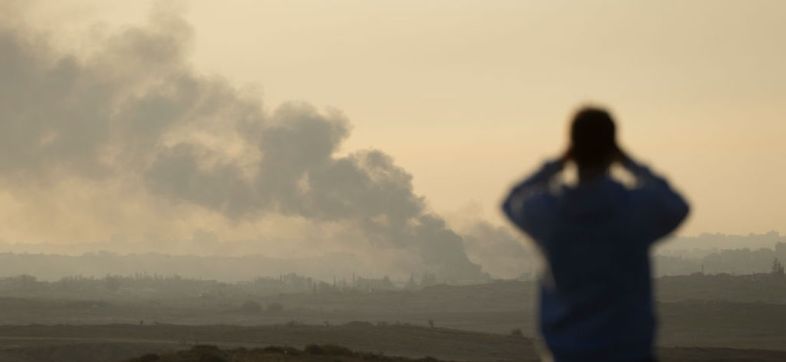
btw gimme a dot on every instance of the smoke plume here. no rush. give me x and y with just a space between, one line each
133 120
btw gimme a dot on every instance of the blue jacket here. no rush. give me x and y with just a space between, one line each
596 301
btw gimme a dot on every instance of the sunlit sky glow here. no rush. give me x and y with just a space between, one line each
469 95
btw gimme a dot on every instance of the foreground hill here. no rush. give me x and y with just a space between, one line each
359 341
329 353
81 343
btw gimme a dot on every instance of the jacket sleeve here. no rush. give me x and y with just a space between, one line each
529 203
658 209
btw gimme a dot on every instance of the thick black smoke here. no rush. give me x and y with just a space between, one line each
135 109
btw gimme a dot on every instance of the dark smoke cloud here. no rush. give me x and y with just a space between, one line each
135 109
501 251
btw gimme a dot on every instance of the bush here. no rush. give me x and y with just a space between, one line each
428 359
150 357
281 350
328 350
205 353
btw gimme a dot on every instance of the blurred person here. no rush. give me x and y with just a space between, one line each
596 300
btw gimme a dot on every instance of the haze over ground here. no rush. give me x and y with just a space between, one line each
462 96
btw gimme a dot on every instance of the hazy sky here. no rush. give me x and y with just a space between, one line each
467 96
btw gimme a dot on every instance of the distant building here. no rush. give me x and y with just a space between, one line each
777 267
780 250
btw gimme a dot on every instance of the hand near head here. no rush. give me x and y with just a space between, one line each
619 155
566 156
623 158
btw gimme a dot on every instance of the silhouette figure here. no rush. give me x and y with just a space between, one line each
596 301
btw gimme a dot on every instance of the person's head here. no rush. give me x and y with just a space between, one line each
593 143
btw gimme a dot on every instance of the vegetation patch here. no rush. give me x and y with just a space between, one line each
312 352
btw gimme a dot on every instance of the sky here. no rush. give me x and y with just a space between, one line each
466 97
470 95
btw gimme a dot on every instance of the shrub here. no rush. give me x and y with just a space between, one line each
281 350
428 359
150 357
205 353
328 350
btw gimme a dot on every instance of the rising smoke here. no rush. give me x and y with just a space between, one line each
135 112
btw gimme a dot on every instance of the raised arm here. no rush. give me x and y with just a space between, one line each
659 209
528 203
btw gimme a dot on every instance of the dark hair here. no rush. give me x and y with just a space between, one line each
593 138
